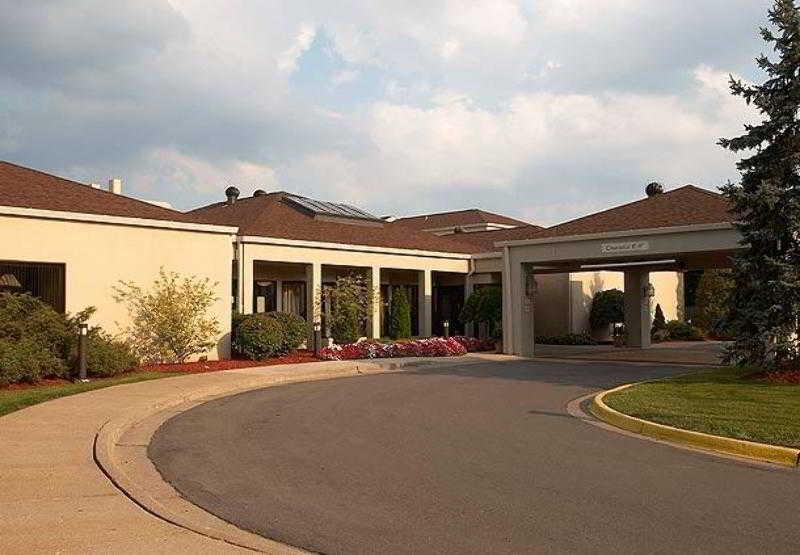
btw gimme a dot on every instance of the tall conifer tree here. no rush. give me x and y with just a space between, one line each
765 303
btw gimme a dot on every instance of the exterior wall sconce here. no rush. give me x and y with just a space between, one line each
649 291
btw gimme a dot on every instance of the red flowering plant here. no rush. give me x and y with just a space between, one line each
433 347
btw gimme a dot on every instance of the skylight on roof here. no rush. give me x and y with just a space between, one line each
331 209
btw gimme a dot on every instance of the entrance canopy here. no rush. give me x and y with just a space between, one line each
684 229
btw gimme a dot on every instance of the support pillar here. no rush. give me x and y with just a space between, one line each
313 296
246 285
469 287
425 309
374 330
638 318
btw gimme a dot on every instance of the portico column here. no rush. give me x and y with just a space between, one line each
377 306
638 319
313 295
425 303
247 276
469 327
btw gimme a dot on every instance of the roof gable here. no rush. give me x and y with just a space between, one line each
27 188
456 218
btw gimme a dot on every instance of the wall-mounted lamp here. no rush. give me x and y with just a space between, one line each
649 291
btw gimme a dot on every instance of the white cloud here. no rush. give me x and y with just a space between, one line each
287 60
344 76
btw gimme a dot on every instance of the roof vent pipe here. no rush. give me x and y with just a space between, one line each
654 188
115 185
259 193
231 193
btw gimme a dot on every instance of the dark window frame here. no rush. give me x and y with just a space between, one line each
59 301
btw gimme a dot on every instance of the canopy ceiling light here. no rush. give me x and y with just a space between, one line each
9 280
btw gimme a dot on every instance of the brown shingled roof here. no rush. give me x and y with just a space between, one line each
27 188
687 205
483 241
458 218
271 215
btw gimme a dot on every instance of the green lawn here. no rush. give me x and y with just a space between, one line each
11 400
726 402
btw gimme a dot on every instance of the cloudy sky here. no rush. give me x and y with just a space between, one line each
541 109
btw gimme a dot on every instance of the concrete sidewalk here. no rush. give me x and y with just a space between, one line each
55 499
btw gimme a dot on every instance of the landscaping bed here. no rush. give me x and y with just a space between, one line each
295 357
432 347
731 402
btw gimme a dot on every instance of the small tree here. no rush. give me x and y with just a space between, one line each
608 307
712 299
351 301
400 315
485 305
659 322
170 322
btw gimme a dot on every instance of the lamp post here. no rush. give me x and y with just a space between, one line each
446 328
83 332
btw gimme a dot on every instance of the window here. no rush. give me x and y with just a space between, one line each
42 280
264 296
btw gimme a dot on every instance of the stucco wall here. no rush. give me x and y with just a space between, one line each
98 255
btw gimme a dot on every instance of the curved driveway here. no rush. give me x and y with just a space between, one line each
475 459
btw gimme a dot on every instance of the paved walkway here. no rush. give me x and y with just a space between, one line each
476 459
672 352
55 499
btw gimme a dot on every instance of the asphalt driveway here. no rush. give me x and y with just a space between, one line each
474 459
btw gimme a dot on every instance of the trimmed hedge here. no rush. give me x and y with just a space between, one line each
28 360
106 356
400 315
265 335
681 331
566 339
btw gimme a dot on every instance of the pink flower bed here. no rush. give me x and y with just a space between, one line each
433 347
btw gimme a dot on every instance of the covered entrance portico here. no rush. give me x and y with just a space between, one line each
636 253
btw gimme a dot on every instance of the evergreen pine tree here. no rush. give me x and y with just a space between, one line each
400 315
765 301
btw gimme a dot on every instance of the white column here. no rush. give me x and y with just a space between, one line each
522 321
469 287
375 316
425 303
508 307
313 292
279 295
246 277
638 319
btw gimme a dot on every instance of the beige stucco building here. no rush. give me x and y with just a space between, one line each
71 243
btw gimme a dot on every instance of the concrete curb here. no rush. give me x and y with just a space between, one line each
785 456
120 447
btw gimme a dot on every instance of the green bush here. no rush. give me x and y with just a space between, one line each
106 356
258 336
485 305
608 307
28 360
400 315
295 329
25 317
566 339
659 330
344 326
712 299
681 331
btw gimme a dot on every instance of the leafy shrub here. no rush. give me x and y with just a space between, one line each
681 331
351 300
170 322
712 299
566 339
295 329
28 360
659 330
25 317
400 315
258 336
106 356
608 307
485 305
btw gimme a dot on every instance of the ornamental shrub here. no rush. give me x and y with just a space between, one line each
485 305
400 315
566 339
608 307
681 331
712 299
28 360
170 321
258 336
351 300
294 327
23 316
106 356
431 347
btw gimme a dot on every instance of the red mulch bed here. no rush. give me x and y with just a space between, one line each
784 376
41 383
199 367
